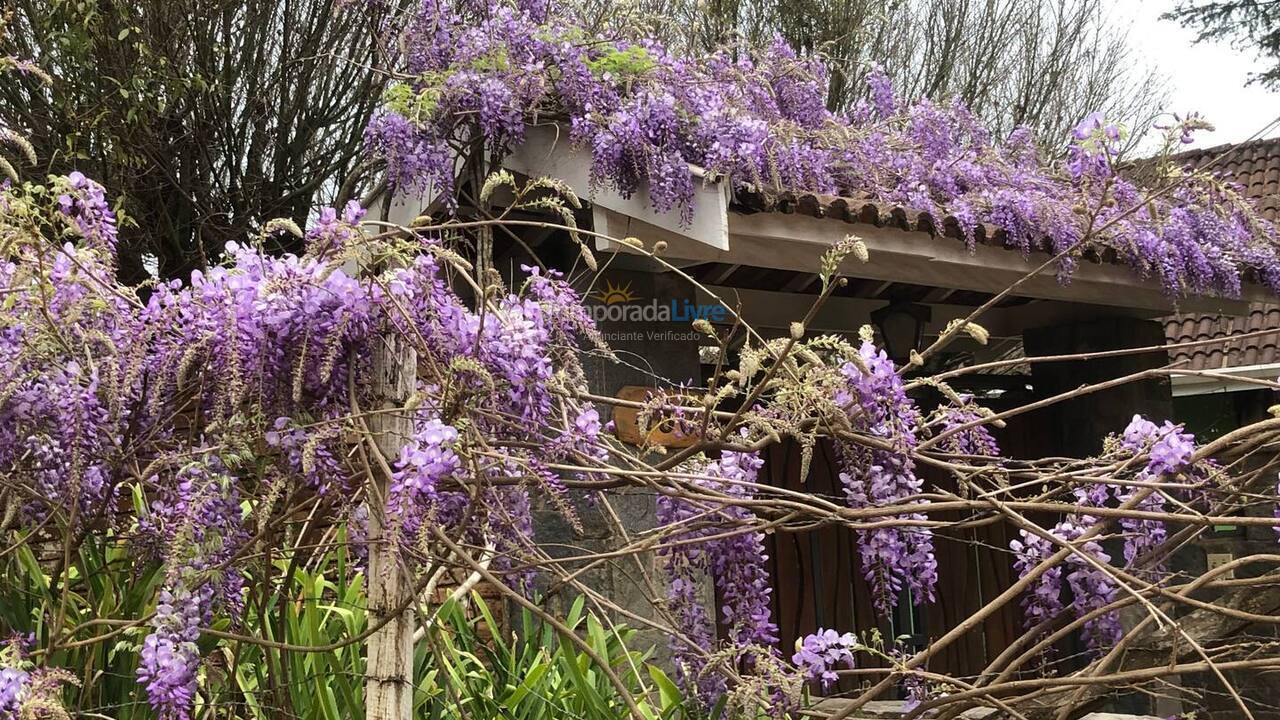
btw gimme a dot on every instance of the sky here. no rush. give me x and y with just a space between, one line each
1205 77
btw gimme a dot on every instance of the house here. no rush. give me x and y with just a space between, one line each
759 256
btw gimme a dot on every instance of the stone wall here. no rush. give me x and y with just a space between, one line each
644 350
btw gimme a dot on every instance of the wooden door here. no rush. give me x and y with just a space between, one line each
818 581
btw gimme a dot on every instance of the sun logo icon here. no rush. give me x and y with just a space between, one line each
613 294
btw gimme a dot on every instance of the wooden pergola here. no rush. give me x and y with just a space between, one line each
728 241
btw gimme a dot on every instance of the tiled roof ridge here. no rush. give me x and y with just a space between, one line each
863 208
1255 166
1259 349
866 209
1224 148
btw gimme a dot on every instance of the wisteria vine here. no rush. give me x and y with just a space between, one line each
733 556
877 403
1165 452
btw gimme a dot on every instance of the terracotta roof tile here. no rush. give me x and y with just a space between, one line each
1261 348
1255 167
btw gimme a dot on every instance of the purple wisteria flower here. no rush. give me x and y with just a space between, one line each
85 202
976 440
333 232
13 687
735 562
917 691
1169 451
1091 586
876 402
196 526
425 462
645 114
1043 600
819 655
235 389
170 657
308 453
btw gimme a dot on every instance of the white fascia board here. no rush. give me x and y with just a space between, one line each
547 152
1227 379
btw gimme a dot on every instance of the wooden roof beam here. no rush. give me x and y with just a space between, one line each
797 242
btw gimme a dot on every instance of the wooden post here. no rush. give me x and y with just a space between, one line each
389 672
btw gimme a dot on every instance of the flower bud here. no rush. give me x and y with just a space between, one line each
859 251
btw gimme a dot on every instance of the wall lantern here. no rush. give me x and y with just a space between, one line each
901 325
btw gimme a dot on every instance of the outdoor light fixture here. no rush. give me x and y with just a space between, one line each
901 326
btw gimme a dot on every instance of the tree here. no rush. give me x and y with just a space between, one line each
207 117
1246 24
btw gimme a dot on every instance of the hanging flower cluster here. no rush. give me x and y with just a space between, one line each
13 685
238 390
1043 600
333 233
27 691
483 71
958 439
425 463
735 560
877 404
85 203
1168 451
1091 586
170 657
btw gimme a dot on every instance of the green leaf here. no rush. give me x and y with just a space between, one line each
328 703
531 679
670 693
575 612
586 689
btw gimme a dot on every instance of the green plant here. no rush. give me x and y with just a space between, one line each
535 673
463 670
89 619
